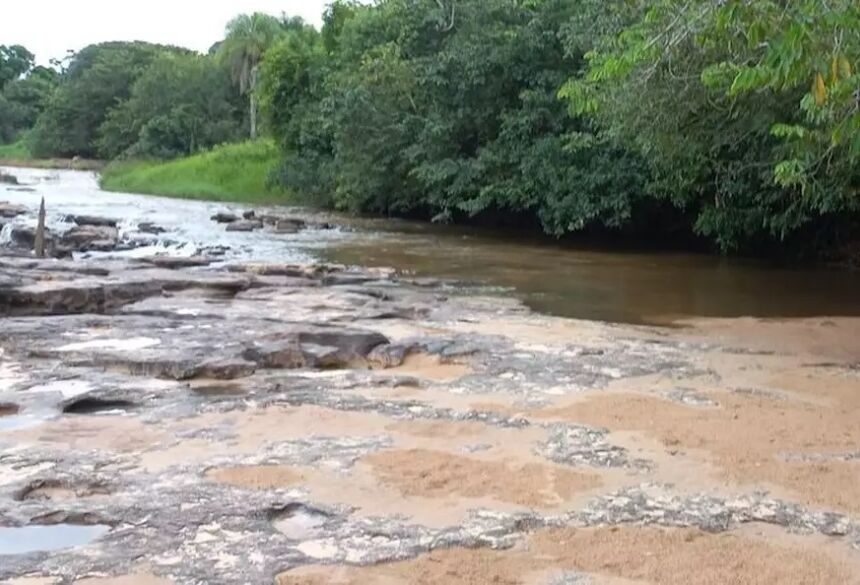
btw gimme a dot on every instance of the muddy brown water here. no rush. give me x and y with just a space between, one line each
618 286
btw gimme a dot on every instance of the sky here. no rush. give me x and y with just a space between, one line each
49 28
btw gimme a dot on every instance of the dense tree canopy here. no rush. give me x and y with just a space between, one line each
97 79
24 91
734 122
746 111
182 103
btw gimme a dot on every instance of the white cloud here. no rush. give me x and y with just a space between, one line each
49 28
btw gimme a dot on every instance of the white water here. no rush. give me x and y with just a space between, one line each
187 223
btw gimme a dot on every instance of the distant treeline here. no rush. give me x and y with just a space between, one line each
734 122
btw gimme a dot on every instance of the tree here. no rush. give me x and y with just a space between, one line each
746 111
23 99
248 38
97 79
181 104
15 61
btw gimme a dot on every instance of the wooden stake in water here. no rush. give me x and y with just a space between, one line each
40 232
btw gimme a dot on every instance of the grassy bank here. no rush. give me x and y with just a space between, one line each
18 154
15 151
233 172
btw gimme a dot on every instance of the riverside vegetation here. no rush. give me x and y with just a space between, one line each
730 124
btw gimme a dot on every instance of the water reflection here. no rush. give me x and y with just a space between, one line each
27 539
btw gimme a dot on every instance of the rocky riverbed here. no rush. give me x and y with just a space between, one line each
168 418
308 424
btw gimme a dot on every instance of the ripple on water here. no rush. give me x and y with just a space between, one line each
28 539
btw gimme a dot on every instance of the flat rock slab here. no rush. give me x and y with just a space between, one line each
264 423
175 262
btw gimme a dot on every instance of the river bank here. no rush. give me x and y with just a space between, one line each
223 406
238 173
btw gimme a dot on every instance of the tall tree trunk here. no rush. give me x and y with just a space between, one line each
253 101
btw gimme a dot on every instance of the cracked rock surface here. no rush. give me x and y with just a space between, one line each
178 422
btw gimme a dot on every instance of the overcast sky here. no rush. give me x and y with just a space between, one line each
49 28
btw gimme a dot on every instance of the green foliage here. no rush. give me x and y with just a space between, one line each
179 105
236 172
15 61
737 121
98 78
248 37
747 112
444 110
16 151
24 91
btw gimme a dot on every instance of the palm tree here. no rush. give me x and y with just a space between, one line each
248 37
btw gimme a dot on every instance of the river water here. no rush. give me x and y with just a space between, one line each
621 286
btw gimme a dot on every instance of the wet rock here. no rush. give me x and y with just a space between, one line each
388 355
95 405
147 227
249 214
176 262
50 295
579 445
244 225
69 517
85 238
350 344
50 489
9 210
225 217
92 220
286 354
225 369
289 226
25 236
214 251
8 409
8 179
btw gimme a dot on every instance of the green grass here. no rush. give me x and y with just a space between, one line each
233 172
15 151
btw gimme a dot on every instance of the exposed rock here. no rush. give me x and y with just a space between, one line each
388 355
225 217
244 225
251 214
23 236
225 369
10 210
92 220
8 408
95 405
287 227
285 353
147 227
8 179
235 482
175 262
87 237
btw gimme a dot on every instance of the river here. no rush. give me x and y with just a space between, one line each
617 286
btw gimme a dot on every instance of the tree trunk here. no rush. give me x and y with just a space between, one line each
253 101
